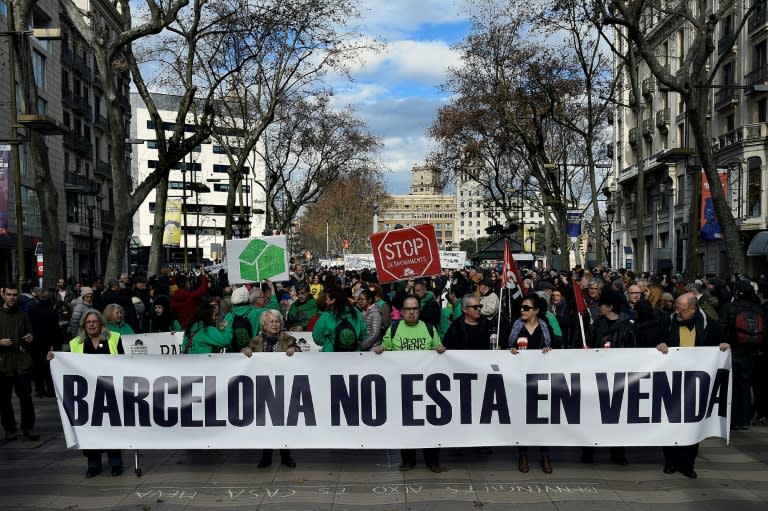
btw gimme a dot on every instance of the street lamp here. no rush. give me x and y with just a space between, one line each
610 212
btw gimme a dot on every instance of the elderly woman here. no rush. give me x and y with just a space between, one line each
115 314
273 338
94 337
79 307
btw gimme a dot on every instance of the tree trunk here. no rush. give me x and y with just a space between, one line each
158 227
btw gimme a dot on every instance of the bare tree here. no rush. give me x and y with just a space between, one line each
344 211
286 48
307 148
499 130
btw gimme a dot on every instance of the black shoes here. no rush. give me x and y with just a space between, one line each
116 471
690 474
669 469
92 472
288 461
405 467
436 469
265 461
30 434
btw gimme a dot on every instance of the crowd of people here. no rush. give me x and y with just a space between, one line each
462 309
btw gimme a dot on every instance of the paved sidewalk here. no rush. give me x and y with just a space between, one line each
45 475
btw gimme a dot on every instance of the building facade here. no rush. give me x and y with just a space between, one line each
200 184
738 128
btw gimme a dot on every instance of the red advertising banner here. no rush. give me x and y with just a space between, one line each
406 253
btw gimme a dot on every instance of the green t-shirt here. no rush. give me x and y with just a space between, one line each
411 338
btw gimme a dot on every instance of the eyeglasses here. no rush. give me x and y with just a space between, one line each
92 322
476 307
526 308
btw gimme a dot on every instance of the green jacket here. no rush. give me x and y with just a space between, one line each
123 328
325 328
300 313
207 339
15 359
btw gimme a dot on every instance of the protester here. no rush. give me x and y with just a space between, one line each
79 307
302 309
366 302
47 337
94 337
340 327
689 327
114 315
532 331
273 338
202 335
413 334
15 366
471 330
161 319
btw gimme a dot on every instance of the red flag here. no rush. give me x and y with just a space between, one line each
578 295
510 276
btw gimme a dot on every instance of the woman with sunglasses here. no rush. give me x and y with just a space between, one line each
531 331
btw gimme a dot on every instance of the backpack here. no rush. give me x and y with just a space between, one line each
345 336
749 325
241 332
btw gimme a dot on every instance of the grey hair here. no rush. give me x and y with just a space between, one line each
466 298
267 314
103 336
109 309
597 281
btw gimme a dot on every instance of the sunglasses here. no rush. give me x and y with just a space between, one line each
526 308
476 307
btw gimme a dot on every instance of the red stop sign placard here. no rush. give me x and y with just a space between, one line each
406 253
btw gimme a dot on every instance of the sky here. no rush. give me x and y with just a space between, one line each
396 92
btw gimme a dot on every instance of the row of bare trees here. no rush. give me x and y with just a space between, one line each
532 100
252 76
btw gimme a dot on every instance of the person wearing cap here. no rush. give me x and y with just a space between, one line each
743 354
79 307
611 329
489 300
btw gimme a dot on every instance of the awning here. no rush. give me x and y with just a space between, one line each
759 244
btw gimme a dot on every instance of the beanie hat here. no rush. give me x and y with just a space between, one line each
240 296
86 291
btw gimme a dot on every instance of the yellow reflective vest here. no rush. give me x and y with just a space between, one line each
76 345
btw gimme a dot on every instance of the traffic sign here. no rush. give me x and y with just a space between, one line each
406 253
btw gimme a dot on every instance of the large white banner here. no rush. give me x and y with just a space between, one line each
357 262
394 400
170 343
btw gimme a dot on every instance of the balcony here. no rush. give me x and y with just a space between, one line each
75 182
124 102
758 22
633 136
662 119
731 138
756 79
727 43
726 97
102 122
66 55
648 128
649 87
67 98
69 139
103 169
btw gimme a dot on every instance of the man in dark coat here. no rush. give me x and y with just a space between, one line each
689 327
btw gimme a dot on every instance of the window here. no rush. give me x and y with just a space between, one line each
221 187
31 209
38 68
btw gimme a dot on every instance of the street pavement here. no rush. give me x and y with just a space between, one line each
44 475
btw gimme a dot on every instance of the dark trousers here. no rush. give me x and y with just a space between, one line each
94 457
741 411
523 451
617 453
682 457
22 384
431 456
266 454
760 385
41 369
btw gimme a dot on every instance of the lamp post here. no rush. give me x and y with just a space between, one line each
610 212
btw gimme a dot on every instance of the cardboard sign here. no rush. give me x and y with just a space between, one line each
406 253
256 259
